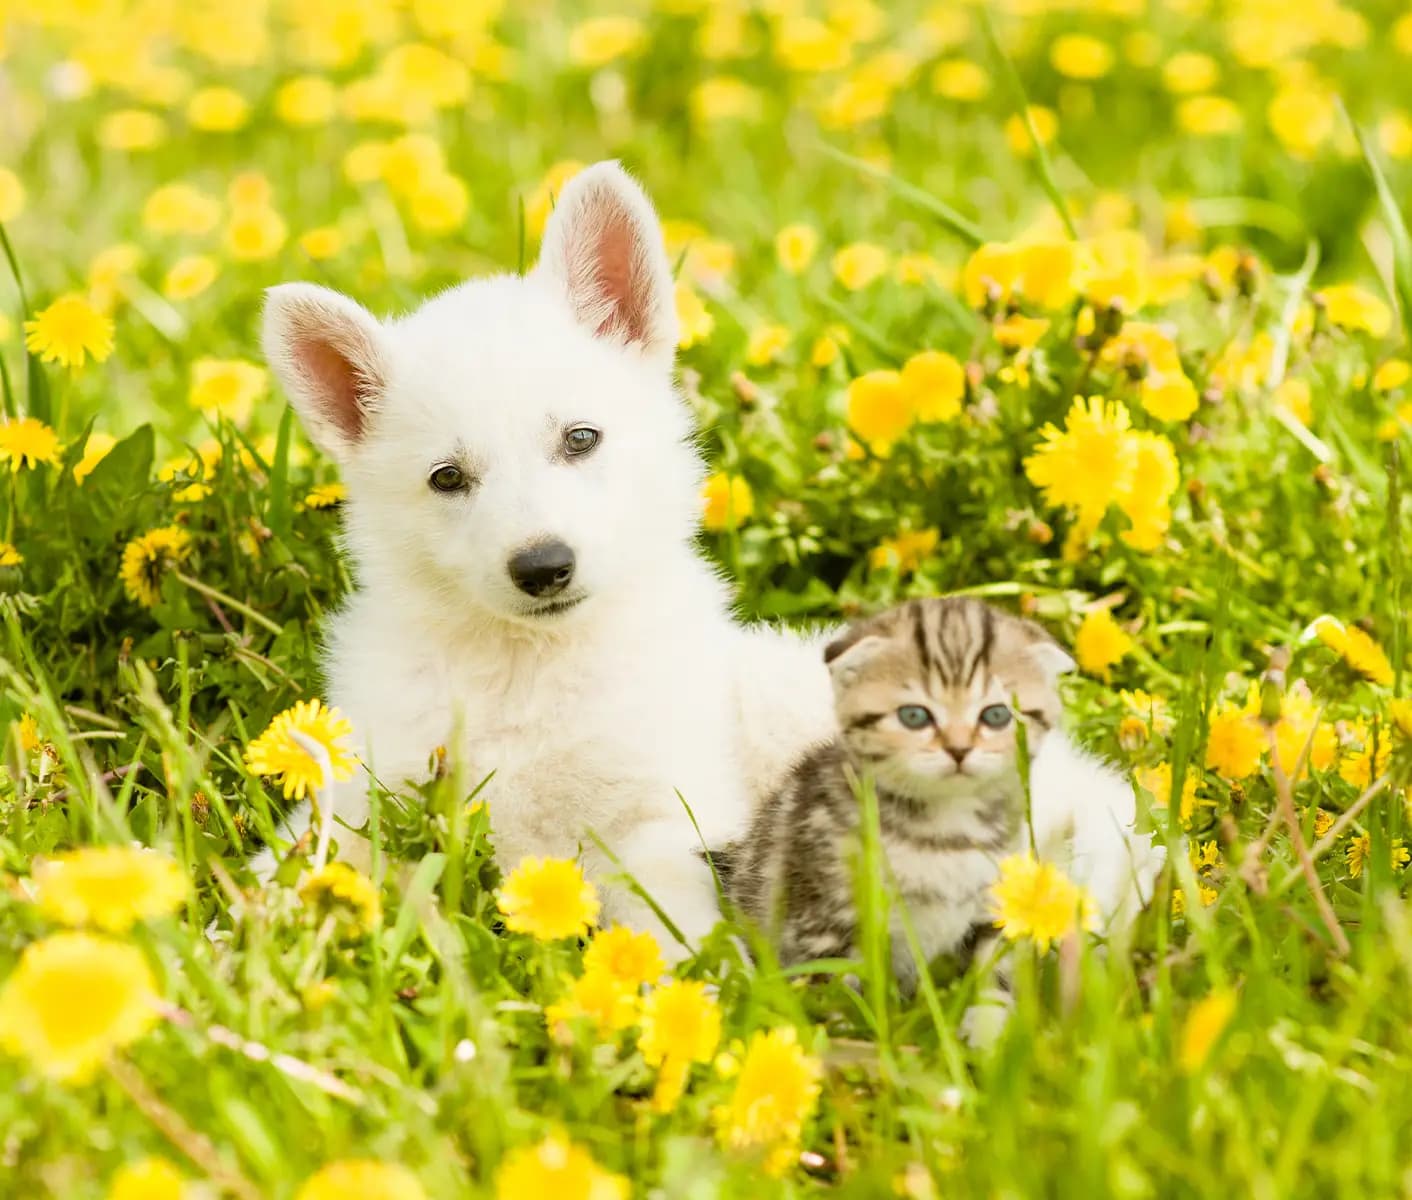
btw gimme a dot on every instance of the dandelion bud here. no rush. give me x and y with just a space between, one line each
1247 275
1111 320
1271 697
823 442
745 389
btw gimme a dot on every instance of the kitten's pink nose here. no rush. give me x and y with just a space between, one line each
957 752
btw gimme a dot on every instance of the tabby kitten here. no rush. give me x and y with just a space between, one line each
928 696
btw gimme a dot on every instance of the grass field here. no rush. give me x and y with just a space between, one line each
908 239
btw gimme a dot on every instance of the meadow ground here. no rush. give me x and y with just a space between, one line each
1090 308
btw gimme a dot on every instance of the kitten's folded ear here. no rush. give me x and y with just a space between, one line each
848 653
1051 658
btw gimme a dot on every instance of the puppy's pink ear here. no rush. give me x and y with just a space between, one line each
603 249
326 351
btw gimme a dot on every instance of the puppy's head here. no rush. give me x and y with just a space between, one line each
516 444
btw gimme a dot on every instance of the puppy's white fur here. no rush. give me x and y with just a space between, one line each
590 719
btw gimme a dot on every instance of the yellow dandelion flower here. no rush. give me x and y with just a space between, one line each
1036 900
9 555
132 130
880 409
1359 847
726 98
147 1179
326 495
597 996
27 729
597 41
111 272
905 552
960 80
180 208
1392 375
1355 308
632 958
681 1025
1323 822
991 273
766 343
228 388
70 332
1090 463
307 100
1401 713
276 751
439 203
1190 71
727 502
1202 1029
555 1167
110 887
1356 648
254 234
694 319
795 247
12 196
1299 726
774 1094
1017 129
1020 333
828 347
361 1179
549 899
339 889
1080 56
147 558
807 45
1303 117
25 442
73 1000
1209 116
189 277
217 110
322 243
859 264
935 383
1157 782
1234 744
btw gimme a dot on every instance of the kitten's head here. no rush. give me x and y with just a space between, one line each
928 694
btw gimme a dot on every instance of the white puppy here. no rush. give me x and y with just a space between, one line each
523 503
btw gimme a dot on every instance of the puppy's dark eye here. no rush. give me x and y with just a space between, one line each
996 716
447 478
580 439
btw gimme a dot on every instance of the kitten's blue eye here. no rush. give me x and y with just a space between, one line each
580 439
914 716
996 716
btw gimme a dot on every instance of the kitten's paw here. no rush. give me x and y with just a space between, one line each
983 1023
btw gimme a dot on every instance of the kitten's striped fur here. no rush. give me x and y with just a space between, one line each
950 799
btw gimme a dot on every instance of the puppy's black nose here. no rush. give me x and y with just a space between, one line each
543 569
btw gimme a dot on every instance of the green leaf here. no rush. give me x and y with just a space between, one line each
278 514
121 476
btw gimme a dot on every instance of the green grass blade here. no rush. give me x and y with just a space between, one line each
1397 231
1044 165
967 230
38 383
